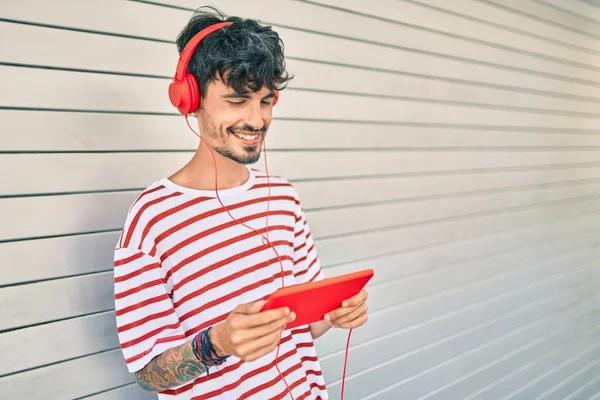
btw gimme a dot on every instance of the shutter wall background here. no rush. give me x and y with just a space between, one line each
453 146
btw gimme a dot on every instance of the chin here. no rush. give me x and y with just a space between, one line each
246 156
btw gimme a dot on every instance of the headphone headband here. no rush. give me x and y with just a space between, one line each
184 92
186 54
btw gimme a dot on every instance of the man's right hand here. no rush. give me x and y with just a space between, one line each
248 333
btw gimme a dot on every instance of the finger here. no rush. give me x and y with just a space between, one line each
361 297
250 308
356 322
247 335
261 343
340 312
258 353
242 319
351 315
264 318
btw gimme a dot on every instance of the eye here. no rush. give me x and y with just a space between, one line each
236 103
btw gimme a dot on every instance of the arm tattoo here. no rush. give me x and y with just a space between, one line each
172 368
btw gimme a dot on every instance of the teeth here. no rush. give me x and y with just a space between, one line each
245 137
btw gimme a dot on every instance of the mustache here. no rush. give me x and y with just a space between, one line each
246 128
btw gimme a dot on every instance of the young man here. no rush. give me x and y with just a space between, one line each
193 264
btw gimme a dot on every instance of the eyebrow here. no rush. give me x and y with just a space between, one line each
246 96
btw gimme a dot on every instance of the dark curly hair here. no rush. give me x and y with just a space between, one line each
245 55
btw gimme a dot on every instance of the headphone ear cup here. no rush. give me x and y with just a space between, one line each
193 93
185 95
276 98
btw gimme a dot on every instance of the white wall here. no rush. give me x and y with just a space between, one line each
453 146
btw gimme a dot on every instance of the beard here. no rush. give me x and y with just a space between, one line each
249 154
225 142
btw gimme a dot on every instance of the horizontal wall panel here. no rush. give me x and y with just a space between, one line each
62 256
72 255
536 317
427 41
441 314
350 248
545 40
59 215
559 333
63 340
90 91
431 301
583 8
117 54
39 216
78 296
290 14
345 221
76 335
318 19
579 385
511 20
434 267
527 370
71 379
129 392
96 290
537 340
79 336
449 277
67 256
462 164
105 171
77 131
350 52
554 374
480 248
537 351
56 299
334 193
538 9
112 16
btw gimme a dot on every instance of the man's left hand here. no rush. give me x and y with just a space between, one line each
352 313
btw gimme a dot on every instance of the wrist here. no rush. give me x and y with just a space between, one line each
215 339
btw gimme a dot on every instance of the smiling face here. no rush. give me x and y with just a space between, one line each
235 124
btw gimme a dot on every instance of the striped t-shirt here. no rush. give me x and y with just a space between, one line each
183 264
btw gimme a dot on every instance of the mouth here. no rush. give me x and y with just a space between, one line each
249 138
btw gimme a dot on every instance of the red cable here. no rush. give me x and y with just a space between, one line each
265 240
345 361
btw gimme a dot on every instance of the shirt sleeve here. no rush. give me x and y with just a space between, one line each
147 324
307 266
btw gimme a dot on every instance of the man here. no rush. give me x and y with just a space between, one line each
193 264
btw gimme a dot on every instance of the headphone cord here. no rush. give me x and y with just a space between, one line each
265 241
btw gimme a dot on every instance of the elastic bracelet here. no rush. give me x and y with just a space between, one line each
198 356
205 352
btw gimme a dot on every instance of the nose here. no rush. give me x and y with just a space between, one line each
254 117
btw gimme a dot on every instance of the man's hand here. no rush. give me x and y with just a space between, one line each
248 333
352 313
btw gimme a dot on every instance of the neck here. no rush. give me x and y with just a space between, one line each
199 173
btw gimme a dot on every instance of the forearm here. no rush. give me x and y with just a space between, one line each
318 329
173 367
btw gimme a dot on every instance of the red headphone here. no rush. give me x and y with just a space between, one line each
184 92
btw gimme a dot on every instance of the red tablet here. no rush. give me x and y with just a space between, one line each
311 301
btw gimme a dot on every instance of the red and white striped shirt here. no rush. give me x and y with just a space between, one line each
183 264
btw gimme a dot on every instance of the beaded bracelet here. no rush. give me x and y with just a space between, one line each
204 351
